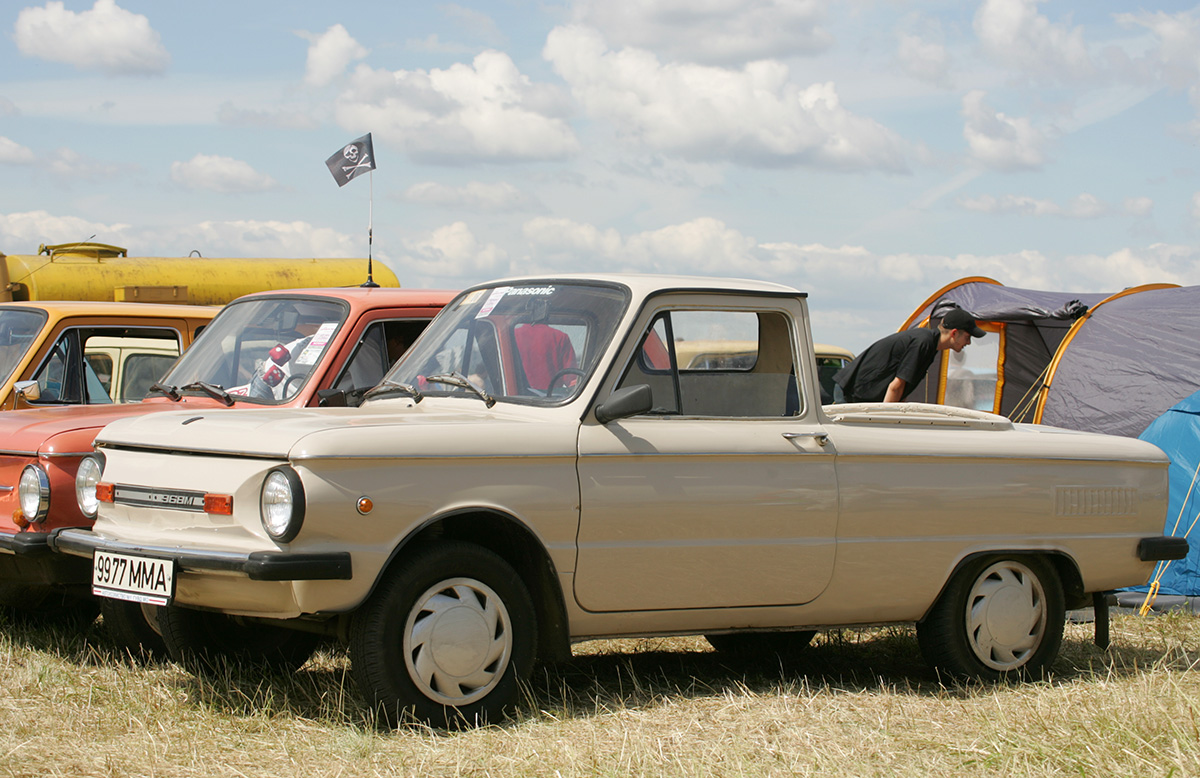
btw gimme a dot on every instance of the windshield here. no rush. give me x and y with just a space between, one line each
18 331
263 350
535 343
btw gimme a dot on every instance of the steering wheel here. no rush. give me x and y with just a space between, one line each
292 380
566 371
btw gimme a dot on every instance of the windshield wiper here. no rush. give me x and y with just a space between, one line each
167 389
216 392
461 381
393 387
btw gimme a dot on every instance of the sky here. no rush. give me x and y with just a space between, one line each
867 152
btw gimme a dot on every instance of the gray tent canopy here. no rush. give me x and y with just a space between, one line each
1099 362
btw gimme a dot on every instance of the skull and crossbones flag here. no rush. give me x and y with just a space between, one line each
352 160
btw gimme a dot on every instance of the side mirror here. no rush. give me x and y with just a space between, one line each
27 391
624 403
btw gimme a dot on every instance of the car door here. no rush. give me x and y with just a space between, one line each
724 494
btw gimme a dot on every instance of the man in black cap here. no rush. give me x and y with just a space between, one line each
892 367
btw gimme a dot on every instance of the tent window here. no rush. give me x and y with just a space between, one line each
974 377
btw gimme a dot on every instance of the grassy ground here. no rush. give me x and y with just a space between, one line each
856 704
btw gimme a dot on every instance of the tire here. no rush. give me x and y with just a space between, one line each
133 627
207 642
1000 617
446 638
783 644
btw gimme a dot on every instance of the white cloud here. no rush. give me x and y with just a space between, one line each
474 196
753 115
220 174
329 54
250 238
1138 206
8 107
998 141
448 254
1013 33
106 38
70 165
487 110
22 233
923 60
713 31
13 153
1084 206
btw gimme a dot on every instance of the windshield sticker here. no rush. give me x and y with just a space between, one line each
320 340
493 300
471 297
531 291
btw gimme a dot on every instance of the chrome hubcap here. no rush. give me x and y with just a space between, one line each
1006 615
457 641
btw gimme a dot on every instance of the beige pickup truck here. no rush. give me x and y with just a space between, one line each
541 468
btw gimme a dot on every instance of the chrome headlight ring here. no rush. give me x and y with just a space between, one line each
33 493
281 504
91 468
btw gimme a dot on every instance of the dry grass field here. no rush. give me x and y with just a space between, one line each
855 704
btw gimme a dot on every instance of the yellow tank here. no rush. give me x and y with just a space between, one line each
97 271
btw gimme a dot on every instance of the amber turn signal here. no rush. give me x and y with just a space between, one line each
19 519
219 503
364 505
104 492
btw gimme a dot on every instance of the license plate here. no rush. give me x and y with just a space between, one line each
133 578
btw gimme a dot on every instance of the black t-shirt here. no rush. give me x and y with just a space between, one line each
906 355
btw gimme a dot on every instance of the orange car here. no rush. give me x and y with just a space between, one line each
282 349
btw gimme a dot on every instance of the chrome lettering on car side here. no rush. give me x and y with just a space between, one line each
144 497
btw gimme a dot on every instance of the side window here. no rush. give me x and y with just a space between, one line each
732 364
139 373
99 364
102 366
382 344
55 380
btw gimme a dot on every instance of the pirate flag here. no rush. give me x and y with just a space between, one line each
352 160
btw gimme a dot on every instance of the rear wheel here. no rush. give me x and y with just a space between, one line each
757 643
205 641
999 617
445 639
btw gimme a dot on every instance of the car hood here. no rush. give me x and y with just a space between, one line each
26 431
452 428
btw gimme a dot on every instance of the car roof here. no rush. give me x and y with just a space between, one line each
63 308
645 284
365 298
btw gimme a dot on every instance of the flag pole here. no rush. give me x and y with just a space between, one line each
370 228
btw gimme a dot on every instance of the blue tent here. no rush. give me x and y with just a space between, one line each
1177 433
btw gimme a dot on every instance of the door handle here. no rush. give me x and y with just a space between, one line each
821 437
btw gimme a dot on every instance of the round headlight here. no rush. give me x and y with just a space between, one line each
86 478
33 492
282 504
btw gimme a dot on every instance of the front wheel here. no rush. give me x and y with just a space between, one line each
998 617
445 639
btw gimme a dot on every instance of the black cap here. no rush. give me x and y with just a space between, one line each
958 319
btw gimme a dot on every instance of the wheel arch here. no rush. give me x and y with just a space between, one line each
513 541
1063 563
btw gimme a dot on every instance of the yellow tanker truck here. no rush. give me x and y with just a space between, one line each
98 271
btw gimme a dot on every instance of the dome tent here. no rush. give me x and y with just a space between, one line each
1177 433
1094 362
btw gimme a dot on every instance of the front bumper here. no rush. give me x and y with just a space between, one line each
256 565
